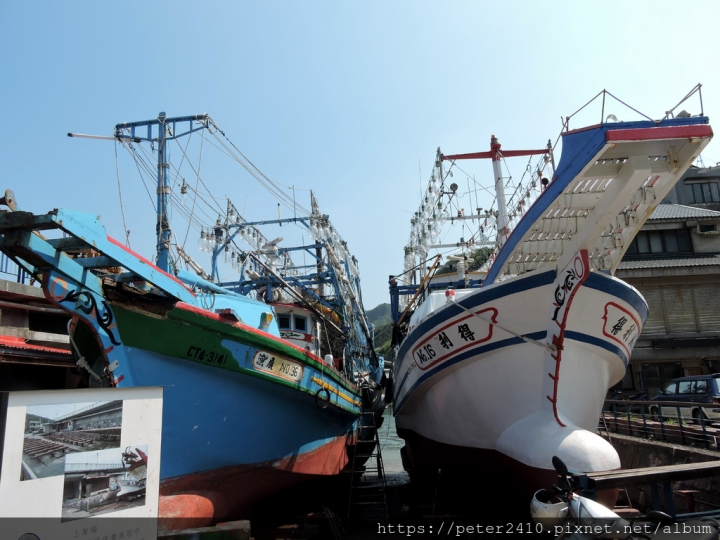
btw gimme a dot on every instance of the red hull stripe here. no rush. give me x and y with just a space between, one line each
649 134
264 335
143 259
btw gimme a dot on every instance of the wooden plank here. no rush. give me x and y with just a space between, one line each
651 475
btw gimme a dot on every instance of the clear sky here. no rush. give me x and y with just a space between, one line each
350 99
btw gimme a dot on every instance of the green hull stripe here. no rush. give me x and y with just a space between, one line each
183 332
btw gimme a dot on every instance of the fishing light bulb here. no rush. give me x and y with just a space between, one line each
201 241
183 193
442 218
226 255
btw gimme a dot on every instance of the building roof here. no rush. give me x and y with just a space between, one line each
675 262
18 343
679 211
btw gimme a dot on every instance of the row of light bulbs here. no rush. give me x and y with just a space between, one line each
322 231
427 223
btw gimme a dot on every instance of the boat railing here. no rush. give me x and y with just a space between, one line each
9 268
82 467
678 422
78 411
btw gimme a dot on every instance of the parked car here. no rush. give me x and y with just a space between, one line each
701 394
624 408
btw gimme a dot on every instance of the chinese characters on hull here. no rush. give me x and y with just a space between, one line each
447 341
620 326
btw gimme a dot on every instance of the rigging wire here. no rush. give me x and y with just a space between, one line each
197 179
122 210
476 182
221 210
137 164
197 216
274 190
269 184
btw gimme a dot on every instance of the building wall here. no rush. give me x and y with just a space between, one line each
682 333
706 242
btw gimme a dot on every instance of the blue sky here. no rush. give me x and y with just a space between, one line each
349 99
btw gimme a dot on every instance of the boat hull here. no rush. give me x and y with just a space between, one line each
504 401
233 432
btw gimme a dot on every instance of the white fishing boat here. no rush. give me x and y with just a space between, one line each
501 369
132 482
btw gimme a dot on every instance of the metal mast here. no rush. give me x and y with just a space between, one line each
165 130
495 154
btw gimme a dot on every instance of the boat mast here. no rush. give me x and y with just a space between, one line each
166 131
495 154
163 196
502 217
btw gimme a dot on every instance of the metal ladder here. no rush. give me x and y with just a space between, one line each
368 497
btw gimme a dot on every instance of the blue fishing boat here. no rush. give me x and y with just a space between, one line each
267 378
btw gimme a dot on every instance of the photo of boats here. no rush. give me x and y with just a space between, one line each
54 432
104 481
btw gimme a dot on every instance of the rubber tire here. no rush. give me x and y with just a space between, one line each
696 417
655 414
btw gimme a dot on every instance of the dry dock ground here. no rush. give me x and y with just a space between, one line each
451 508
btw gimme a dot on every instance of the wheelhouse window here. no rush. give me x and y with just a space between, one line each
284 322
300 323
656 242
703 192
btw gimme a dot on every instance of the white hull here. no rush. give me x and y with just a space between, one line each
515 372
494 395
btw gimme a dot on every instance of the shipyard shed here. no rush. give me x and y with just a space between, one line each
34 344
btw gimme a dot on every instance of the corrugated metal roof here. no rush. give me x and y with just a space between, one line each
13 342
676 262
679 211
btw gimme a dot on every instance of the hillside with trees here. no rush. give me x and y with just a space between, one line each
381 318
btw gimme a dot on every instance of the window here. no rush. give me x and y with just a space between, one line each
284 322
685 387
300 323
700 387
708 228
656 242
704 192
658 375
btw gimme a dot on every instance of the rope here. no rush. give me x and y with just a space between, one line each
548 346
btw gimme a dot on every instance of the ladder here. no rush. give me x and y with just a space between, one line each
368 487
